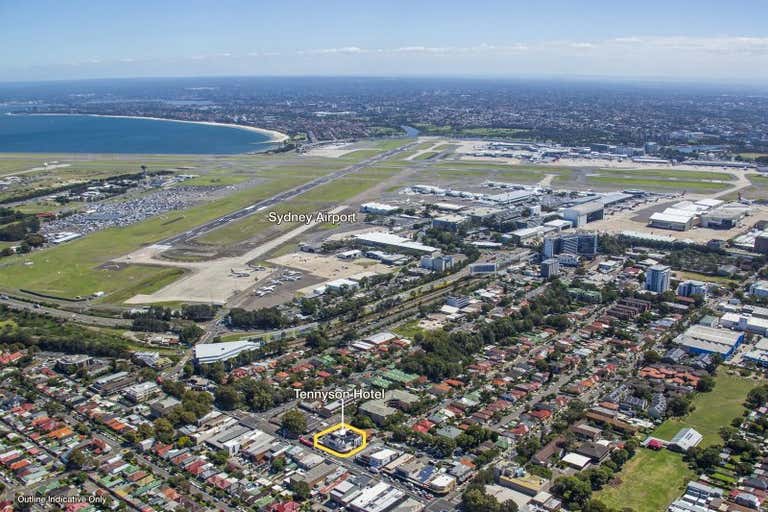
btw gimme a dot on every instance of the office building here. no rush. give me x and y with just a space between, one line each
437 263
112 383
550 268
457 301
553 245
141 392
657 278
580 244
690 288
481 269
450 222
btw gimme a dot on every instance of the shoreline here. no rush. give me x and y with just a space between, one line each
274 135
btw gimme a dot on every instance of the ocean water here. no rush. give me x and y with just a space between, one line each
90 134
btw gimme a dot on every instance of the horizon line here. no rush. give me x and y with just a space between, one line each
550 77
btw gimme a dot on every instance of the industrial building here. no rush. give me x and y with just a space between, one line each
206 353
378 208
723 218
699 339
709 213
527 235
559 224
512 197
584 213
392 241
672 219
745 322
759 289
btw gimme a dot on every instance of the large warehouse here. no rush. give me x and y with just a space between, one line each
672 218
723 218
699 339
391 241
584 213
709 213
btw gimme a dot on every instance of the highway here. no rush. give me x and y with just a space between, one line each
100 321
280 197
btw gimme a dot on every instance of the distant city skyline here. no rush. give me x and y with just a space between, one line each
708 41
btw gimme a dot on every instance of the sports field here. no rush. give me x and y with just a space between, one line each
712 410
649 482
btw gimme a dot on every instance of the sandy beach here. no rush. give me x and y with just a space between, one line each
274 136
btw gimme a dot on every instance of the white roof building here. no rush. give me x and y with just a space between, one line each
686 438
576 460
392 240
378 208
212 352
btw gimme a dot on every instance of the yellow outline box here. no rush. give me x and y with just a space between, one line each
333 452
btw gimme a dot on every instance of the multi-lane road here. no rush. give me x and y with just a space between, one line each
100 321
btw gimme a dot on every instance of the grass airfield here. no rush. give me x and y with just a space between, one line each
83 267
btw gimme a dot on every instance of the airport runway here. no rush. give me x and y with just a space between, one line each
278 198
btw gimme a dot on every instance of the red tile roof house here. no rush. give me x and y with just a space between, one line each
542 415
520 430
7 358
289 506
423 426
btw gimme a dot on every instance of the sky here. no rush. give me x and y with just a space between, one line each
676 40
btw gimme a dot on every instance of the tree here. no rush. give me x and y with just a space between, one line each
679 406
163 430
574 492
190 334
706 384
651 356
227 397
76 460
278 464
707 459
727 433
294 423
220 457
301 490
475 500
